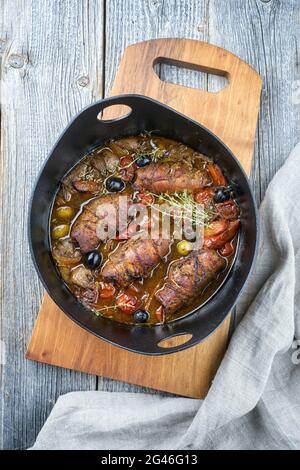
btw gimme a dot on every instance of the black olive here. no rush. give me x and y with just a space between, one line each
222 194
93 259
114 184
141 316
143 160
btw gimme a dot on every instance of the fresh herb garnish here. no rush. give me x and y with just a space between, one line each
187 206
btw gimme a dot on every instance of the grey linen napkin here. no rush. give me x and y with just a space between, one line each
254 401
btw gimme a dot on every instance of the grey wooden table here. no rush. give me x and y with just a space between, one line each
58 56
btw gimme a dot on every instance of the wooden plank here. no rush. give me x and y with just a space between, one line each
267 35
187 372
51 68
132 21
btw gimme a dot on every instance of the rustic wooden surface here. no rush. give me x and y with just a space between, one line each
57 57
55 340
188 373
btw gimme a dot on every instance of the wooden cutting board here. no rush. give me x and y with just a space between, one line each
232 115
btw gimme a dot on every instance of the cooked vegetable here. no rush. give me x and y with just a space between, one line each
184 247
215 228
92 259
83 277
65 212
141 316
159 313
65 253
126 162
128 304
216 174
114 184
107 290
145 198
221 194
128 168
218 241
143 160
60 231
204 196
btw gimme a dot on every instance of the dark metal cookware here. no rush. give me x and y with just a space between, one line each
83 134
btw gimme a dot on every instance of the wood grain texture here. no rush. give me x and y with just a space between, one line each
235 108
47 49
265 34
234 117
181 372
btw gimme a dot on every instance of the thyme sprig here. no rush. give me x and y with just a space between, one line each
100 311
187 206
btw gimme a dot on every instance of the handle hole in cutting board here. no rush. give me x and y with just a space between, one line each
173 341
190 75
114 112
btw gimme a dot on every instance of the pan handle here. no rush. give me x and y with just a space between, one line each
237 102
174 341
140 58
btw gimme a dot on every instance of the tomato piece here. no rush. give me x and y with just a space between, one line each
107 290
204 196
215 228
128 304
216 174
226 250
128 168
159 313
146 198
126 161
219 240
228 209
127 174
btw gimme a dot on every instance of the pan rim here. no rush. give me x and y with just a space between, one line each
52 294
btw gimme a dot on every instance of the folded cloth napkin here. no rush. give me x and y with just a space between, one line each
254 401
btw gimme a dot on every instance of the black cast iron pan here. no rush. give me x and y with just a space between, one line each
83 134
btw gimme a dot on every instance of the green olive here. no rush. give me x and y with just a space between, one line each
60 231
184 247
65 212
